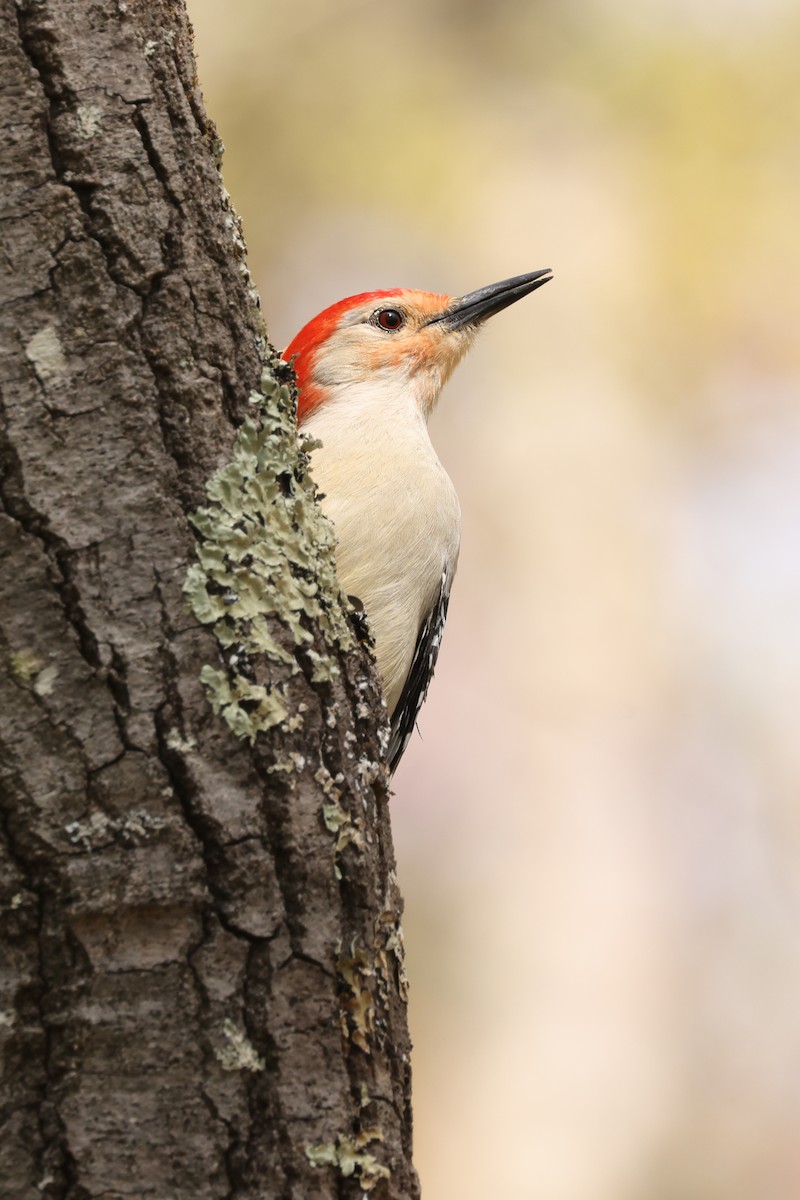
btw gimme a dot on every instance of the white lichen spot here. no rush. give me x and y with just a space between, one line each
150 49
367 770
239 1054
6 1019
89 118
16 900
45 1182
43 684
45 352
83 833
175 741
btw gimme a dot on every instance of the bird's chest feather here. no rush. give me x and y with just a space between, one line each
396 516
397 522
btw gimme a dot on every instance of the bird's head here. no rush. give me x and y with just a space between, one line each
395 338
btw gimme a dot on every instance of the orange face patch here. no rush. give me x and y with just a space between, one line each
412 351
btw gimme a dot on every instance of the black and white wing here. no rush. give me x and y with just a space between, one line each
426 651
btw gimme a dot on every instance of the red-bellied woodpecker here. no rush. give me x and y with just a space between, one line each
369 372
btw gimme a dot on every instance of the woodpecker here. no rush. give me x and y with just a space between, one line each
369 372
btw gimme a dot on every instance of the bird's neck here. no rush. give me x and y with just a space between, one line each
378 408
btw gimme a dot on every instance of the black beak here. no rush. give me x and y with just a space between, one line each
477 306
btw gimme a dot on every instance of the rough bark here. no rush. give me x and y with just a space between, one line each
201 991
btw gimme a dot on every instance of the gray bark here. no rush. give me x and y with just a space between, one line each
201 988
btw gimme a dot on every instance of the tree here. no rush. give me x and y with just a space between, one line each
202 981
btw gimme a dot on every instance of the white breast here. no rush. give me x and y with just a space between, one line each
395 512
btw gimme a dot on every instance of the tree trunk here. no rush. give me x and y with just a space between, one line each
202 990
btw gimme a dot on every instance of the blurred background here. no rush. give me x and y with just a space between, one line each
598 832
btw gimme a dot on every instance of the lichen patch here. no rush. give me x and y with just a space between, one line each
99 829
239 1054
349 1156
45 352
355 997
265 570
89 118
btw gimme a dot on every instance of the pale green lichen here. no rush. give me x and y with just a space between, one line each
388 941
329 783
100 829
265 571
89 118
28 669
349 831
348 1155
240 1054
246 706
325 669
25 666
290 765
334 816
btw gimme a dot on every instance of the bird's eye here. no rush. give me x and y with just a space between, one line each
389 318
